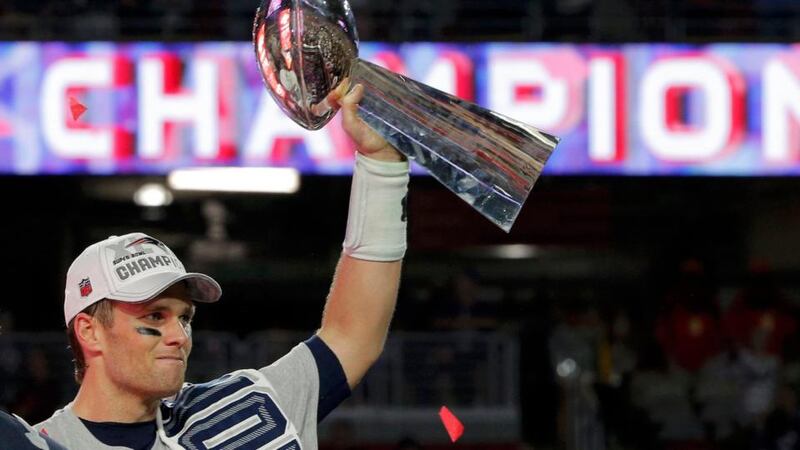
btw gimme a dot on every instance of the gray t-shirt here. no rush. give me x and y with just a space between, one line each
271 408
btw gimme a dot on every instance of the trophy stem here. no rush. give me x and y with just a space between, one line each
489 160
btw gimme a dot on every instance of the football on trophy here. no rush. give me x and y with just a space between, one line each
304 49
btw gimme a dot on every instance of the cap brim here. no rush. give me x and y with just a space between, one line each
202 288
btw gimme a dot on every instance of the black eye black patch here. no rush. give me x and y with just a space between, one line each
148 331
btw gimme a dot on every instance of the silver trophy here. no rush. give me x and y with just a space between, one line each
305 48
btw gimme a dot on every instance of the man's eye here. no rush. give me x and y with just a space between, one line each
155 316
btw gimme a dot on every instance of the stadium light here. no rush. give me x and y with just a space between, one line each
273 180
152 195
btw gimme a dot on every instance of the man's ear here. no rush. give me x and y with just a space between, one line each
89 333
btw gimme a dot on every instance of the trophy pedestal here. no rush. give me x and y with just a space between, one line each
488 160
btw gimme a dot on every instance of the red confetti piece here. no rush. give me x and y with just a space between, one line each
451 423
76 108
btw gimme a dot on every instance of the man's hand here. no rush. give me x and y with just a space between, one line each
368 142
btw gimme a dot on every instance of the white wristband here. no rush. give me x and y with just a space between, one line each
376 222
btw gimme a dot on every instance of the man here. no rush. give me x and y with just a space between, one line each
16 434
129 305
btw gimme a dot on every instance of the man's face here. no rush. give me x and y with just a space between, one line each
148 344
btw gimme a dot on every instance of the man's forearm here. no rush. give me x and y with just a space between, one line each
358 312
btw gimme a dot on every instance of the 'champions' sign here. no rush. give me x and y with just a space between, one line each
724 109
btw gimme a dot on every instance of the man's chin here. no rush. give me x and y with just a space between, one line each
166 392
168 388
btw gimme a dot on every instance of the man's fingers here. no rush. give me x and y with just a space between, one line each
335 97
353 97
351 122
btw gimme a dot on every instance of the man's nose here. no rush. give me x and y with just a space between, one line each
176 334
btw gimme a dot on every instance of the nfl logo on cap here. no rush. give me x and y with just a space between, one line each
85 287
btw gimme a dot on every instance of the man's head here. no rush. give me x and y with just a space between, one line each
128 306
142 348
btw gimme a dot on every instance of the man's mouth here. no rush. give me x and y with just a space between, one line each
172 358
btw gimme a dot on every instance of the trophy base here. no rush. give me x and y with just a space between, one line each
489 160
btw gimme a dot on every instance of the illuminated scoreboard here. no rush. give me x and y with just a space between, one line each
727 109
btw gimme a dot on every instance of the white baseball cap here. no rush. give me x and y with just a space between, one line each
132 268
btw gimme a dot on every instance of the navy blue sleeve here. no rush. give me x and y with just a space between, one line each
333 388
13 434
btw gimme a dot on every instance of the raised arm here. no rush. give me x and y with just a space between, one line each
362 298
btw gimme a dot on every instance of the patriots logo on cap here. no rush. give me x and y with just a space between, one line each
85 287
145 240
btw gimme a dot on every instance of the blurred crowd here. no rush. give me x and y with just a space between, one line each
706 371
418 20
